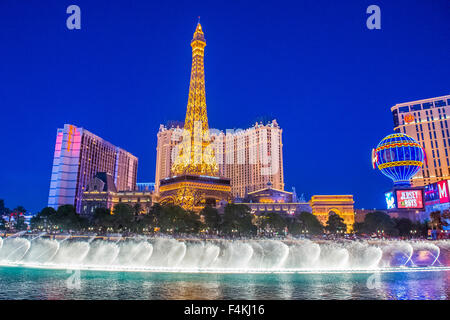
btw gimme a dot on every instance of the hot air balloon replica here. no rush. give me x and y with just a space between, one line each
399 157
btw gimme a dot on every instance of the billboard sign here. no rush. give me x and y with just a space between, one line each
409 199
443 191
431 195
437 192
390 200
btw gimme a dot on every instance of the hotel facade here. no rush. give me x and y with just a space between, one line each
427 121
250 158
79 156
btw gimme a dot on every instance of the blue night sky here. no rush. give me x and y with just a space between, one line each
313 65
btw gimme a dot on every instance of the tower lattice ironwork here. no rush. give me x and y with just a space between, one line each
196 155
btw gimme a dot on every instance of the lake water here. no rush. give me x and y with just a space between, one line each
31 283
37 267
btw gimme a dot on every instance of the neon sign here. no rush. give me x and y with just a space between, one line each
409 199
443 191
390 200
409 118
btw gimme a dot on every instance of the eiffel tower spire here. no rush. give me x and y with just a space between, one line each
195 152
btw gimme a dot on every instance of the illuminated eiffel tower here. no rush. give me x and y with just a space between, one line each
196 155
195 182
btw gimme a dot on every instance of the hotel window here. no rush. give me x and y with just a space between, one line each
416 107
404 109
427 105
439 103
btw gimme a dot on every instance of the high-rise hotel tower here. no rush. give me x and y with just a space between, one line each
250 158
79 156
427 121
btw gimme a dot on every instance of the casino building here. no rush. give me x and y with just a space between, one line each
79 156
101 192
427 121
248 158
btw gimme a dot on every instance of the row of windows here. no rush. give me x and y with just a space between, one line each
424 106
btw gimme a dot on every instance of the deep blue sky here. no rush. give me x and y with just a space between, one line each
313 65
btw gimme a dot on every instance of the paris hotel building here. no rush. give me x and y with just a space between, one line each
79 156
427 121
240 156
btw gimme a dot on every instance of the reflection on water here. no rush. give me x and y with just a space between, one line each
28 283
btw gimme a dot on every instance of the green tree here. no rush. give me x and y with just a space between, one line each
42 218
358 227
379 222
172 219
20 209
211 218
192 223
310 223
123 216
335 224
66 218
2 223
2 207
155 213
237 218
404 227
102 218
436 220
20 223
137 209
273 221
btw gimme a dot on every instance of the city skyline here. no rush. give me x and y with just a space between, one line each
323 155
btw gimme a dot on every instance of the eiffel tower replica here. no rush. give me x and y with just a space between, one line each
195 181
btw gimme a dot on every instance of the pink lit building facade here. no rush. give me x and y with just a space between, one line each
79 156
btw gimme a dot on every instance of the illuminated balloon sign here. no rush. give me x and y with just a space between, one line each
409 199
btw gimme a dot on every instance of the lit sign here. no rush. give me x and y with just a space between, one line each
409 199
443 191
437 192
69 139
390 200
409 118
431 194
